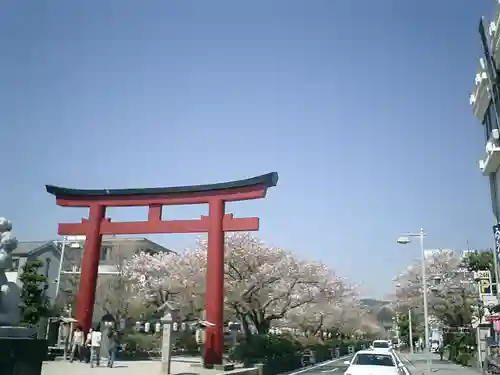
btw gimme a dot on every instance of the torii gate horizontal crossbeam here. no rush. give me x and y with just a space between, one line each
201 225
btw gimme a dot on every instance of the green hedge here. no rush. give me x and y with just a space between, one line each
461 347
278 353
139 345
283 353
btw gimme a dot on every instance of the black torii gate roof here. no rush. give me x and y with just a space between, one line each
267 180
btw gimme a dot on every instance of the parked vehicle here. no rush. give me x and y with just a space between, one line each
381 345
434 346
374 362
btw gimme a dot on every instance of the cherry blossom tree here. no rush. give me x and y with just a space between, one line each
355 319
339 315
262 283
167 276
451 290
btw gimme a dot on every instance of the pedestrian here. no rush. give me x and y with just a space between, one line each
113 345
77 345
88 341
441 350
95 347
64 334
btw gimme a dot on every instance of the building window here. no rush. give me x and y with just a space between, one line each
488 122
105 253
47 267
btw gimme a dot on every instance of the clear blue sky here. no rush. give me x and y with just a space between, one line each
361 106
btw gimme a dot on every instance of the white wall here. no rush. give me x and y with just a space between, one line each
12 276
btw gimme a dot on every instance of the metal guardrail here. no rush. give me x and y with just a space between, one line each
308 358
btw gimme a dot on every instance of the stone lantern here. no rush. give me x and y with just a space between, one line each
170 315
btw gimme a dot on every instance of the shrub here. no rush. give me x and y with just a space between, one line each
140 346
186 343
461 347
262 348
282 353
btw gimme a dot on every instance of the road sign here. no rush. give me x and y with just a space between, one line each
483 279
482 275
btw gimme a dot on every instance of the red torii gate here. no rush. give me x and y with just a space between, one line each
215 224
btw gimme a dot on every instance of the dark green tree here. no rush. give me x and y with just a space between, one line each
35 304
404 328
480 261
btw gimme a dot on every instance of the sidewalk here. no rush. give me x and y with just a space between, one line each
417 365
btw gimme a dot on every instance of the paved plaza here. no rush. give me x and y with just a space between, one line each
121 368
150 367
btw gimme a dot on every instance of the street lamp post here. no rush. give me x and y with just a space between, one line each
58 285
410 332
405 239
72 241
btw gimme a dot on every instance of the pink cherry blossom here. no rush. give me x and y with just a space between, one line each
262 283
451 290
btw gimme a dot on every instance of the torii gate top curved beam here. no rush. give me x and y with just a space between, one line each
251 188
268 180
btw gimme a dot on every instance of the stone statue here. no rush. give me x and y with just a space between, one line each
10 293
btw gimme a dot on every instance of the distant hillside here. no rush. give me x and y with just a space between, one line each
371 302
380 309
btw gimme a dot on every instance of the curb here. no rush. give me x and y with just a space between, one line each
414 370
312 367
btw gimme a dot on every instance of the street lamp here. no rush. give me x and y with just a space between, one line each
73 242
404 239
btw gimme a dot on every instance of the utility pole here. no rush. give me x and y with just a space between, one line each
411 331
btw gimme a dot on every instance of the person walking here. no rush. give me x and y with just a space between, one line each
64 334
113 345
87 346
441 350
77 345
95 347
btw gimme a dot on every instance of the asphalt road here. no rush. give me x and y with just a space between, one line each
334 367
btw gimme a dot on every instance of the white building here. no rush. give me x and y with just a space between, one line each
487 110
49 253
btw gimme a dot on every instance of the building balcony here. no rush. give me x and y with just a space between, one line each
491 162
103 269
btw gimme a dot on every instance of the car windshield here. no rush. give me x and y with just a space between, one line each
380 344
373 360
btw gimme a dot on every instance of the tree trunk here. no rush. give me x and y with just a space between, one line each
263 326
246 327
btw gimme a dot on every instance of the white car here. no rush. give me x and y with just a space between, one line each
374 362
381 346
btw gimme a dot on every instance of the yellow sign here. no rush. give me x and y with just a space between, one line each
484 287
483 279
